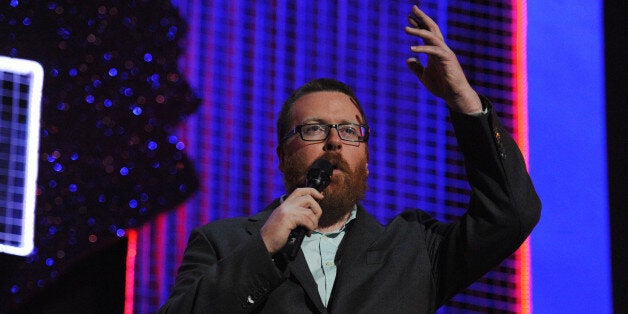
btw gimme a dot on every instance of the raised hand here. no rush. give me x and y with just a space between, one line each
442 76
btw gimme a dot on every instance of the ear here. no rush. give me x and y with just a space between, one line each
367 168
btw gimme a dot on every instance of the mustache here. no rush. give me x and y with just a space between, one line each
337 161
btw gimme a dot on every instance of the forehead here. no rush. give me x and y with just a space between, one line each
326 106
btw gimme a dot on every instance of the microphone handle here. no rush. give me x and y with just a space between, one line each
294 241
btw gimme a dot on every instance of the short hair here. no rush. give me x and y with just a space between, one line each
316 85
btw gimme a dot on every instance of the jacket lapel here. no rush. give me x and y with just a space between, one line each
351 255
301 272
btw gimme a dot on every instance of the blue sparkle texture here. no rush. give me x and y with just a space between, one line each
106 108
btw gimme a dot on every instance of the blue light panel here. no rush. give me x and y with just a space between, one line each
20 101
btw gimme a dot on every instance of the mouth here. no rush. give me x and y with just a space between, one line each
337 172
338 166
334 167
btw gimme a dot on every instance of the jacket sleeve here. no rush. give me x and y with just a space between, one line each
216 278
503 209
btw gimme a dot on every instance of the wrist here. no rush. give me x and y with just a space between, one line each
268 241
467 102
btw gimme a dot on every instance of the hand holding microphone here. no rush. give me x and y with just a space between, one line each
318 177
299 212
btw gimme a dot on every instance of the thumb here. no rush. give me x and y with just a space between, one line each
415 66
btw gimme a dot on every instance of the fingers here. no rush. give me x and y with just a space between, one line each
415 66
413 22
300 192
307 219
418 19
428 37
300 208
423 26
440 52
306 200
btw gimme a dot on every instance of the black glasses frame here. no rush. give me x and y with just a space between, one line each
297 129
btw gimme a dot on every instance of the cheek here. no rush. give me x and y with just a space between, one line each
357 157
306 153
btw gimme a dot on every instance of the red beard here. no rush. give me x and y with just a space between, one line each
344 191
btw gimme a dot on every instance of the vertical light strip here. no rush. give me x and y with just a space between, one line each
181 238
521 135
143 290
159 253
208 50
129 281
521 77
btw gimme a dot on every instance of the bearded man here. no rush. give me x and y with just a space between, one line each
349 262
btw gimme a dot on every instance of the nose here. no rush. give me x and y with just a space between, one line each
333 141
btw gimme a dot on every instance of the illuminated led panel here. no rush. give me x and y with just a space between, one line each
486 36
244 58
20 102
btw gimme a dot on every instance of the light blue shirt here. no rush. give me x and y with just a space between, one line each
320 251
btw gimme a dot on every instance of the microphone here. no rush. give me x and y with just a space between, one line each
317 177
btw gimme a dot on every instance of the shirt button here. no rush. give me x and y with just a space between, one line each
329 264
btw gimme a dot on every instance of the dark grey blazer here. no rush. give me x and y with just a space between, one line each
412 265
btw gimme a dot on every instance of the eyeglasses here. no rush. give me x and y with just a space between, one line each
319 132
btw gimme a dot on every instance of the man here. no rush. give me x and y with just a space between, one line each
349 262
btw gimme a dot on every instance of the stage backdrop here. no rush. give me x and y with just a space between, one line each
243 58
